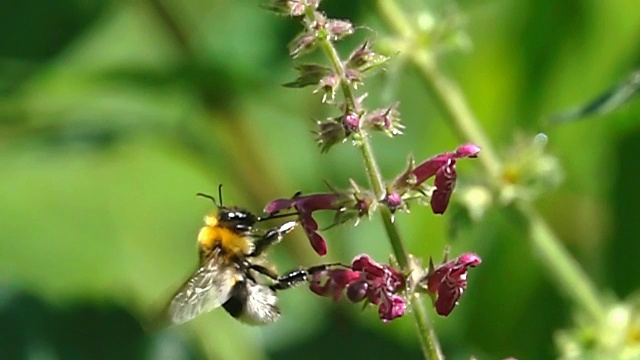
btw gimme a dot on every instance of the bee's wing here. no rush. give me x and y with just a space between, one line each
206 290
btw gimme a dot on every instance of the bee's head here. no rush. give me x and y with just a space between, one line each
230 217
235 218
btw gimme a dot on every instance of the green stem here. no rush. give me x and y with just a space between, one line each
563 268
428 339
334 57
567 273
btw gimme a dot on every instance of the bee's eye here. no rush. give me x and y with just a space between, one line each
238 215
238 218
226 216
234 216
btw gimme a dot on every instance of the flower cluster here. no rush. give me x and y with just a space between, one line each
382 285
350 73
353 204
447 282
364 280
356 203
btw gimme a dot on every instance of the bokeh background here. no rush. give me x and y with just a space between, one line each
113 114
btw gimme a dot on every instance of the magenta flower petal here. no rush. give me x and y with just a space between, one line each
305 203
317 243
429 168
338 280
467 151
445 182
434 279
344 277
279 204
305 206
448 296
313 202
365 264
443 167
392 308
469 259
311 229
448 281
318 288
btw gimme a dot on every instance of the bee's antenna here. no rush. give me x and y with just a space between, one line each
210 198
220 194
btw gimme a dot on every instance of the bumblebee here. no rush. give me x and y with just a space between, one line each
231 264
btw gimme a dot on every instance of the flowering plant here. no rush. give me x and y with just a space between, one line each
392 288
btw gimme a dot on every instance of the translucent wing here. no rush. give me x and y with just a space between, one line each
206 290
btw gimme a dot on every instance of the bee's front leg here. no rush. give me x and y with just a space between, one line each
272 236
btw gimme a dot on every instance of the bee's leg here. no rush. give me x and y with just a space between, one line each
296 277
272 236
264 271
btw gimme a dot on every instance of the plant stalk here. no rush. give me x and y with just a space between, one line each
428 339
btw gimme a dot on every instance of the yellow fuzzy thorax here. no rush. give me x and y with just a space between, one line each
231 243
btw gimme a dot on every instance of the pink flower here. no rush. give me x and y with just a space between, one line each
338 281
347 205
364 280
447 282
443 167
305 206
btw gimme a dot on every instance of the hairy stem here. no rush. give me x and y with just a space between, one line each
564 269
428 339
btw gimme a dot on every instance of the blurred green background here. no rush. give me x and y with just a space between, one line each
113 114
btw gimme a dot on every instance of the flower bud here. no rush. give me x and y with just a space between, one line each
291 7
308 74
328 85
386 120
329 133
357 291
338 29
302 43
351 122
393 201
364 58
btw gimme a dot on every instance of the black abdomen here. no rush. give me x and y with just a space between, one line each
235 306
